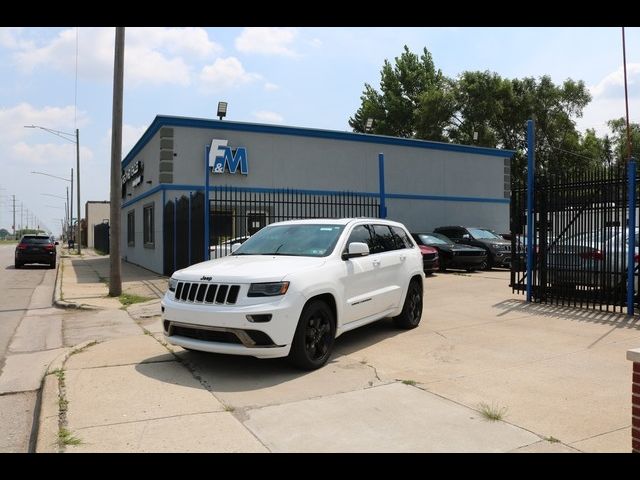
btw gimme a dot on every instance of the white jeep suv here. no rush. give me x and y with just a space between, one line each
293 287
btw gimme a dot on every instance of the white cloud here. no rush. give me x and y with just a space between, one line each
612 85
53 156
602 109
10 38
316 43
608 100
152 55
270 87
267 41
226 73
268 117
14 119
189 41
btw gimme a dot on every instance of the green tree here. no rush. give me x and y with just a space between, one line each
3 233
618 128
497 109
415 100
481 108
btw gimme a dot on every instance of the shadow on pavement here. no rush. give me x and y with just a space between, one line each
29 267
619 320
236 373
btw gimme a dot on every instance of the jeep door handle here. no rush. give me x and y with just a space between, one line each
376 263
403 258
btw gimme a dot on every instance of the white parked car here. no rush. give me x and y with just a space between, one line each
295 286
225 248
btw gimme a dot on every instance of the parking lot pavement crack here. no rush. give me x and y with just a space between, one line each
150 419
599 435
375 372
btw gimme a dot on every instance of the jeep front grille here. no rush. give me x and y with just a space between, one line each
207 293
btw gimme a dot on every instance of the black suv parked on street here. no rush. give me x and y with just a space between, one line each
498 249
36 249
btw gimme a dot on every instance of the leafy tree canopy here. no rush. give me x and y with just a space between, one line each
416 100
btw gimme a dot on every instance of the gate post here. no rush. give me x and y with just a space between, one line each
631 226
206 203
531 165
383 206
189 243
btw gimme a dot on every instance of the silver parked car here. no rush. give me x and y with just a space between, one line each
593 260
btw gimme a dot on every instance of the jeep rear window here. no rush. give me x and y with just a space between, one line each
305 240
36 240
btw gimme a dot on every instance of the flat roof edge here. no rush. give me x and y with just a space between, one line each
166 120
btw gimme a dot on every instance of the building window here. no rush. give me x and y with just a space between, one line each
131 228
148 226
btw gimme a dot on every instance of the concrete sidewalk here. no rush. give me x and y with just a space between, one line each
383 391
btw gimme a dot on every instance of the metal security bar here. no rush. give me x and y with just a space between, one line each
235 214
581 240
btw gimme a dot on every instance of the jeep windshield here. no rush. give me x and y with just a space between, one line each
307 240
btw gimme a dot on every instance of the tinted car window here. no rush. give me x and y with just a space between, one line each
483 234
433 239
402 238
384 240
36 240
360 234
452 233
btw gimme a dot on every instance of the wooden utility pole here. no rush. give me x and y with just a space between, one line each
115 279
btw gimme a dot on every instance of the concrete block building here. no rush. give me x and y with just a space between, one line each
241 176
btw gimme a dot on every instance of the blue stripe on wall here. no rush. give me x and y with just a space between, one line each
444 198
400 196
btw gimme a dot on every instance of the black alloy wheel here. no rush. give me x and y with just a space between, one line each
314 337
412 310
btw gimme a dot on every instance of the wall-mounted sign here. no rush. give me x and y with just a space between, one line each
221 156
133 171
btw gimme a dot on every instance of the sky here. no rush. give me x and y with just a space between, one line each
61 79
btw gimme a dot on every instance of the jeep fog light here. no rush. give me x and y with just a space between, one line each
261 318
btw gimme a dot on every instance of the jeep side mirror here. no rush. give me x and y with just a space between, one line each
356 249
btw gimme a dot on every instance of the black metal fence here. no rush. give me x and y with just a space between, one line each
101 237
580 242
235 214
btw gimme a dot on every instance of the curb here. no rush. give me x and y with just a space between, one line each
59 361
57 293
49 414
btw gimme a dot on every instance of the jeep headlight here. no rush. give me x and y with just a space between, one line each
270 289
173 283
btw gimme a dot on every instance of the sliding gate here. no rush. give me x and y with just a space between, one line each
580 240
235 214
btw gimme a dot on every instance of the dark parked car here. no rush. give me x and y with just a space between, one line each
36 249
498 249
453 255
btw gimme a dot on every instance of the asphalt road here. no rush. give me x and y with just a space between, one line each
17 287
24 292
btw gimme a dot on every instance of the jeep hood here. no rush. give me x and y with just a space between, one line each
248 268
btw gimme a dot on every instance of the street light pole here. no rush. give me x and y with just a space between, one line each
70 224
78 237
70 137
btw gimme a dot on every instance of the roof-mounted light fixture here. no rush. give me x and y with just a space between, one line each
222 110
